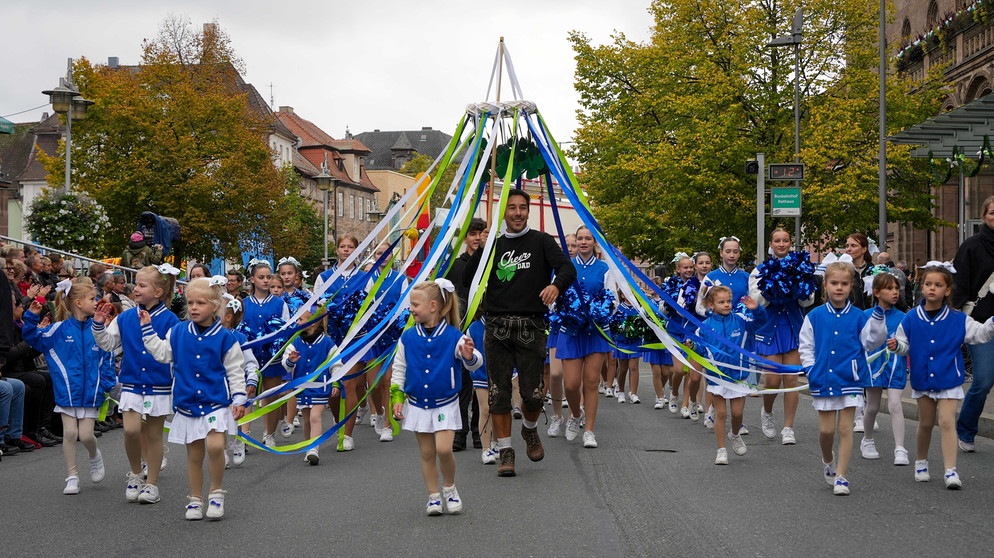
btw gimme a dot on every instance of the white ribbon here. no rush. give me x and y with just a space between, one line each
445 286
233 302
219 280
934 263
679 256
724 238
63 286
254 262
168 269
289 260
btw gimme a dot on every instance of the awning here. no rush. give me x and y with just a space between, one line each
6 126
964 128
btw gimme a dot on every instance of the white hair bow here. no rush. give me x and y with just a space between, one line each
63 286
168 269
219 280
445 286
679 256
871 247
233 302
254 262
831 258
724 238
934 263
290 260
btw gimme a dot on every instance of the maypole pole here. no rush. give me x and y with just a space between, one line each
493 152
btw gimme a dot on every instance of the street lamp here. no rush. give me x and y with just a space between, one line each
795 38
66 100
325 181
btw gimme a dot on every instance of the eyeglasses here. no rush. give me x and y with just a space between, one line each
9 268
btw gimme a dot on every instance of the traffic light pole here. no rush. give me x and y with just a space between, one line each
760 207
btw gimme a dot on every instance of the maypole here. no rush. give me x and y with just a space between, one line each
493 153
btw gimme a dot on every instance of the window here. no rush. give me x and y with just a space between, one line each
906 29
351 206
933 15
340 204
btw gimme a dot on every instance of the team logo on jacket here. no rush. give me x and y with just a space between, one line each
509 264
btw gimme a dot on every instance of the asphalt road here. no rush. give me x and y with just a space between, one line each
650 489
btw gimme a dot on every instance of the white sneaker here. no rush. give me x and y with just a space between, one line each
195 510
380 422
722 457
700 408
743 430
374 422
659 404
238 452
589 440
738 444
666 399
215 504
133 488
97 467
967 447
841 486
165 460
868 448
386 435
857 425
876 425
787 436
684 412
285 429
312 456
921 470
149 494
673 407
695 413
573 427
621 397
72 485
361 414
453 504
296 421
900 456
767 423
601 387
609 392
227 460
709 418
555 427
634 398
952 479
489 456
348 444
269 440
434 506
829 471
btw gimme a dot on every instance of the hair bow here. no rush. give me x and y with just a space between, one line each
63 286
168 269
724 238
933 263
878 269
254 262
445 286
290 260
831 258
305 274
233 302
219 280
871 246
679 256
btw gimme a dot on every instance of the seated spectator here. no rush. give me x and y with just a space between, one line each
12 417
39 398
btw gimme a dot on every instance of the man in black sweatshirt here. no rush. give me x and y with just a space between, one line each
518 292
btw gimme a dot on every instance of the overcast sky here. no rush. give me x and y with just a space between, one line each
384 64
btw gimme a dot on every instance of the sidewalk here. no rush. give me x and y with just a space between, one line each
985 427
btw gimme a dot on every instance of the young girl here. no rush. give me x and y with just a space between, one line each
555 367
583 352
429 402
627 344
261 309
690 291
887 371
932 336
231 316
778 341
146 385
833 341
738 329
276 286
208 390
684 272
295 296
81 371
302 357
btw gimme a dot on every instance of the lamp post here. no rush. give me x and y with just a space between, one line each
67 100
795 38
325 180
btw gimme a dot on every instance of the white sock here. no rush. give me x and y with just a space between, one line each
503 443
529 424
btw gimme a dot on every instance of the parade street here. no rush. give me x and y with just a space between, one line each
650 489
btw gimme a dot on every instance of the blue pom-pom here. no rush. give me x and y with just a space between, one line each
786 279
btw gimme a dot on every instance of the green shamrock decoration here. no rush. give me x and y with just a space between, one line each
506 271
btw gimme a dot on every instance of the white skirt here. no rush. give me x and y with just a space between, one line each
724 392
184 429
837 403
79 412
418 419
146 405
954 393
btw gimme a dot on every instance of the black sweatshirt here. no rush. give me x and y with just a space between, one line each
974 263
523 267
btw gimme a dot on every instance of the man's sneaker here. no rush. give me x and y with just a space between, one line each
97 467
573 427
858 425
348 444
453 504
589 440
968 447
269 440
900 456
516 413
133 488
361 414
312 456
767 423
238 452
673 406
787 436
533 443
195 509
621 397
659 404
841 486
434 506
695 414
828 471
386 435
868 448
685 412
149 494
952 479
215 504
72 485
285 429
921 470
738 444
609 392
634 398
722 457
489 456
505 466
743 430
555 427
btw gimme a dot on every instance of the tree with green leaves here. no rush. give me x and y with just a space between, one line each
176 136
666 126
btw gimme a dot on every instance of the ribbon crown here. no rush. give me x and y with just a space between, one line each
63 286
168 269
934 263
289 260
255 262
445 286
